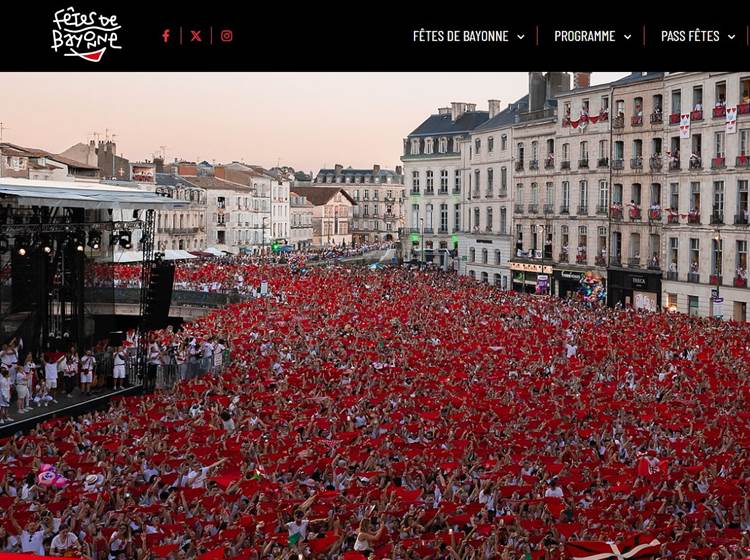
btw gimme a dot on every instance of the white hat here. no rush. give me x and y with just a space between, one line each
91 479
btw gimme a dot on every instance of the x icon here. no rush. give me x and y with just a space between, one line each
196 36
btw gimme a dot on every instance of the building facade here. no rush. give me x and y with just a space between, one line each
380 196
184 228
333 210
301 213
434 169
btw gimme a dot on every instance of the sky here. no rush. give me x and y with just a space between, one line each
304 120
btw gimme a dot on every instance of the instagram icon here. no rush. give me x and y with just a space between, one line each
226 36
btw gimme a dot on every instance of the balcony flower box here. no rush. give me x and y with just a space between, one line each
566 121
618 164
563 257
618 122
694 218
615 213
743 161
656 118
603 162
581 259
600 261
718 163
673 218
534 164
565 165
634 213
740 282
636 120
696 115
715 280
654 215
549 163
674 118
720 112
743 109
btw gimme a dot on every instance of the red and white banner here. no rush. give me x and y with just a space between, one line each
632 549
684 125
731 119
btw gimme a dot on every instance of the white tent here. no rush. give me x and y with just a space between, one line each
215 252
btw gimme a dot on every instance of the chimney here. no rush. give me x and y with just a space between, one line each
375 170
581 79
495 107
457 109
444 110
471 107
537 91
337 169
557 82
399 170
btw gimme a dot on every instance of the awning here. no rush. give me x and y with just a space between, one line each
216 252
137 256
91 195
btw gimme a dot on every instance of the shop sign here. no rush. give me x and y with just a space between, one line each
528 267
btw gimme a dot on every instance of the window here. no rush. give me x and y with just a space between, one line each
564 238
697 98
444 217
604 104
719 144
477 145
635 193
519 193
415 215
428 217
504 142
503 179
716 256
550 147
489 219
457 181
583 190
490 179
695 196
456 217
534 150
415 146
444 181
443 145
674 257
520 152
534 193
742 202
584 150
693 306
617 192
428 146
519 236
430 188
585 106
695 254
565 194
490 144
718 208
498 257
503 220
472 254
741 260
676 101
603 149
472 274
603 195
549 196
583 241
485 258
566 152
476 218
674 196
655 199
414 183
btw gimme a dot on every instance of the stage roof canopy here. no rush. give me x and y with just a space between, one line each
89 195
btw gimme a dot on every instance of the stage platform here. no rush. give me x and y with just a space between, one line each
77 404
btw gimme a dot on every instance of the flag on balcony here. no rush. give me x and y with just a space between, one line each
684 126
731 115
635 548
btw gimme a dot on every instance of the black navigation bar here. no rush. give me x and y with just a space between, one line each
220 36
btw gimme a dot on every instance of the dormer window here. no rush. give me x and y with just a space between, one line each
415 146
443 148
428 149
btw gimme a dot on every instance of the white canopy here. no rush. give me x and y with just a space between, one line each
137 256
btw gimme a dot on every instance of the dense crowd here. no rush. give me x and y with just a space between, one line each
405 414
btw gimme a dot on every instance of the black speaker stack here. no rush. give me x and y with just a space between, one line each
159 295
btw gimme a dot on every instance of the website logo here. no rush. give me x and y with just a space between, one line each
85 35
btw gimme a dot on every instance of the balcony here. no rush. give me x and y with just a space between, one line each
429 192
634 262
533 208
518 208
740 219
566 121
655 162
414 191
618 122
549 163
390 217
657 118
563 257
694 217
694 277
602 162
743 161
715 280
618 164
534 164
428 231
476 193
503 192
654 215
673 275
565 165
696 116
583 210
581 258
653 264
456 190
717 218
615 212
636 162
636 120
695 163
674 164
718 162
601 210
583 163
740 282
519 165
743 109
564 209
548 209
615 260
443 190
599 260
720 112
634 214
488 193
674 118
442 231
673 218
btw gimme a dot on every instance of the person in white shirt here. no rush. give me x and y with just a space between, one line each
63 542
554 491
51 369
32 536
118 371
4 396
88 363
22 389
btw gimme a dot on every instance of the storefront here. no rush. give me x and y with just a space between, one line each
639 290
568 282
527 276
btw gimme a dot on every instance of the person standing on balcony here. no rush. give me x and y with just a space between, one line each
118 371
88 363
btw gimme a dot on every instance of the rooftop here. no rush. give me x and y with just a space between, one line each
443 124
320 196
215 183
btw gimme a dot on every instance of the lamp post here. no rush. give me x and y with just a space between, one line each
263 234
719 255
421 229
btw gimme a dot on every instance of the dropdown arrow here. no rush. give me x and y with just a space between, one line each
731 36
520 36
627 36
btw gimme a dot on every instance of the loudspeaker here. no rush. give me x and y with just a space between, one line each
159 295
116 338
